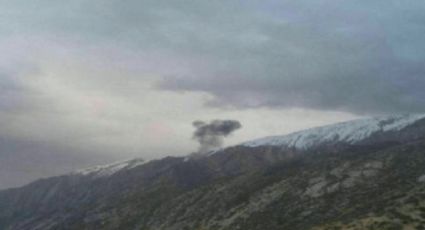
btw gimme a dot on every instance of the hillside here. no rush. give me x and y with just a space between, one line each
364 174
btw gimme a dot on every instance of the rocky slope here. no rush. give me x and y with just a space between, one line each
365 174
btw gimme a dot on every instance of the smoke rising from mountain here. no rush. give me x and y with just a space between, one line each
210 135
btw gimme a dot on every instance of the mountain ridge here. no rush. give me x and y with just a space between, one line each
239 187
348 132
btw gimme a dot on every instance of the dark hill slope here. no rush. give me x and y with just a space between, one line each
375 183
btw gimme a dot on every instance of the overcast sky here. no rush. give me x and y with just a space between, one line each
90 81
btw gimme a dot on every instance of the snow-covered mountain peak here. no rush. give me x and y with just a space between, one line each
349 132
109 169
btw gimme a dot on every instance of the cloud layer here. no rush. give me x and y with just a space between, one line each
362 57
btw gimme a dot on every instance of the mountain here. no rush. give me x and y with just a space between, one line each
363 174
351 132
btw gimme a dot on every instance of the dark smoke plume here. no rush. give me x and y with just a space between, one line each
210 135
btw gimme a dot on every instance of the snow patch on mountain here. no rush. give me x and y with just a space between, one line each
349 132
110 169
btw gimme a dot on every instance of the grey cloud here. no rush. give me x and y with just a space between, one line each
361 57
13 94
327 57
210 135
